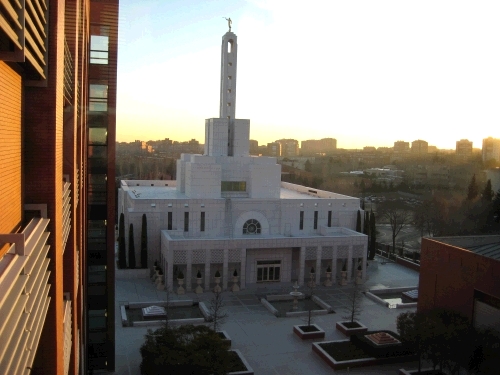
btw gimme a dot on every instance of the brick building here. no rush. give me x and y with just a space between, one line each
461 274
57 126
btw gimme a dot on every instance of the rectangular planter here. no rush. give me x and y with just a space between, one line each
337 365
249 370
369 361
350 331
319 334
226 338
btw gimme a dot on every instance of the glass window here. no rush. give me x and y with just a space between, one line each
98 152
98 91
186 221
98 136
315 219
97 275
99 47
97 319
329 218
251 226
233 186
169 221
202 222
301 223
98 105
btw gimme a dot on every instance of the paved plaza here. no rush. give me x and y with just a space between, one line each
267 342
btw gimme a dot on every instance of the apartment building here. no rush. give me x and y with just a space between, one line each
491 149
57 127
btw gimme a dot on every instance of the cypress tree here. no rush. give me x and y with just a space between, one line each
358 222
131 247
487 192
473 189
144 242
373 236
366 226
122 261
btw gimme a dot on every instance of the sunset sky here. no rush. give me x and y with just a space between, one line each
367 73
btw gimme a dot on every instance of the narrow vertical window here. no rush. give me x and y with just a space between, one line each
186 221
202 222
329 218
169 221
315 219
301 223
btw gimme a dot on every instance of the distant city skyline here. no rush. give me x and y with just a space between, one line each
365 73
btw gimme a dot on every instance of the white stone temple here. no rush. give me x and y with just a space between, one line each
230 211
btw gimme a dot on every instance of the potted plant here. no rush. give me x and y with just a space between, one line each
235 287
328 281
217 281
180 280
160 280
359 274
343 279
311 275
198 289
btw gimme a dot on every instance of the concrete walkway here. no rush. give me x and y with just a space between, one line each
267 342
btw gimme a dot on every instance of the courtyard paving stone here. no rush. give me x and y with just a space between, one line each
267 342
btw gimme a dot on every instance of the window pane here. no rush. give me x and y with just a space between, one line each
99 43
98 105
98 136
259 274
271 273
276 273
98 91
265 274
98 152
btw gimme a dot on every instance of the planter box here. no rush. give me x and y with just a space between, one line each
249 370
318 334
225 337
368 361
350 331
337 365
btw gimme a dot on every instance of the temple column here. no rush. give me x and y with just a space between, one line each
207 269
188 269
349 264
225 269
243 267
318 264
302 265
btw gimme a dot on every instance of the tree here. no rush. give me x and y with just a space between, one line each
373 236
144 242
353 308
487 194
308 166
216 313
366 224
414 330
122 261
473 189
309 295
131 247
187 349
358 222
398 214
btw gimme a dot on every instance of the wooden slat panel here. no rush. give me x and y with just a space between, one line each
4 25
41 13
35 63
35 17
34 31
34 47
10 152
12 12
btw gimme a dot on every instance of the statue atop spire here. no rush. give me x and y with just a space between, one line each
229 22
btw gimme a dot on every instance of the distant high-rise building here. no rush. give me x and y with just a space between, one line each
57 203
401 147
463 148
274 149
419 147
254 147
491 149
318 146
289 147
369 149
